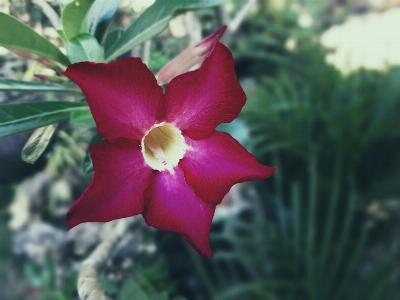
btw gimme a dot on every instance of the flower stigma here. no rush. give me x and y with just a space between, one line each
163 146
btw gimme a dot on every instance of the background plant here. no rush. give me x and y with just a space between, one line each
325 227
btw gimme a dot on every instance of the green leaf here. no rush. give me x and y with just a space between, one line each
111 40
87 165
29 86
82 117
100 16
84 47
154 20
61 34
37 143
73 17
32 273
16 35
20 117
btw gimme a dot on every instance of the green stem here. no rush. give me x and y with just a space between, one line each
279 202
354 263
296 223
311 226
330 221
344 238
202 272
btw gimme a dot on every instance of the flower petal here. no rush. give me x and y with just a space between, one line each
199 100
212 165
118 184
173 206
123 96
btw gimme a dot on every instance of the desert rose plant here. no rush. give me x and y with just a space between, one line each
158 153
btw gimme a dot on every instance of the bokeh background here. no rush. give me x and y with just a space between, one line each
322 79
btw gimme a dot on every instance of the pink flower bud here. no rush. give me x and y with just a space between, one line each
44 60
188 58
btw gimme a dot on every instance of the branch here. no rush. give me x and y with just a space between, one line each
49 12
235 23
89 286
146 52
193 27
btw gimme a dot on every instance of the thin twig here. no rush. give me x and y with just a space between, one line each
193 27
49 12
146 52
89 286
233 24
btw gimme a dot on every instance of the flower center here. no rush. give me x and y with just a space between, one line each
163 146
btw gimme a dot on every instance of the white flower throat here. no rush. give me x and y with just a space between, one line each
163 146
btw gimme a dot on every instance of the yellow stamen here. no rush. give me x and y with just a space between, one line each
163 146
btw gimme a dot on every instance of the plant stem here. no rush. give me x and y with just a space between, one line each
89 286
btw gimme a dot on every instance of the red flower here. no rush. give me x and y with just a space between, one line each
161 156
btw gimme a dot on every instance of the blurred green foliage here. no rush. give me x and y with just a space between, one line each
326 225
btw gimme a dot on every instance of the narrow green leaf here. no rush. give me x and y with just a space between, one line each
37 143
29 86
111 40
87 162
16 35
73 17
20 117
100 16
82 117
152 22
84 47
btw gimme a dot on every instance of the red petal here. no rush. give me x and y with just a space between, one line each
117 187
199 100
123 96
173 206
214 164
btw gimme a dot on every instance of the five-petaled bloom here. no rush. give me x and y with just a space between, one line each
161 156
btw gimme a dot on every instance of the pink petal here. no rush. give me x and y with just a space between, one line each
188 58
117 187
173 206
212 165
123 96
199 100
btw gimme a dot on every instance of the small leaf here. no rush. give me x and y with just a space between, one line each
100 16
87 165
32 273
152 22
20 117
48 272
16 35
84 47
29 86
73 17
37 143
82 117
